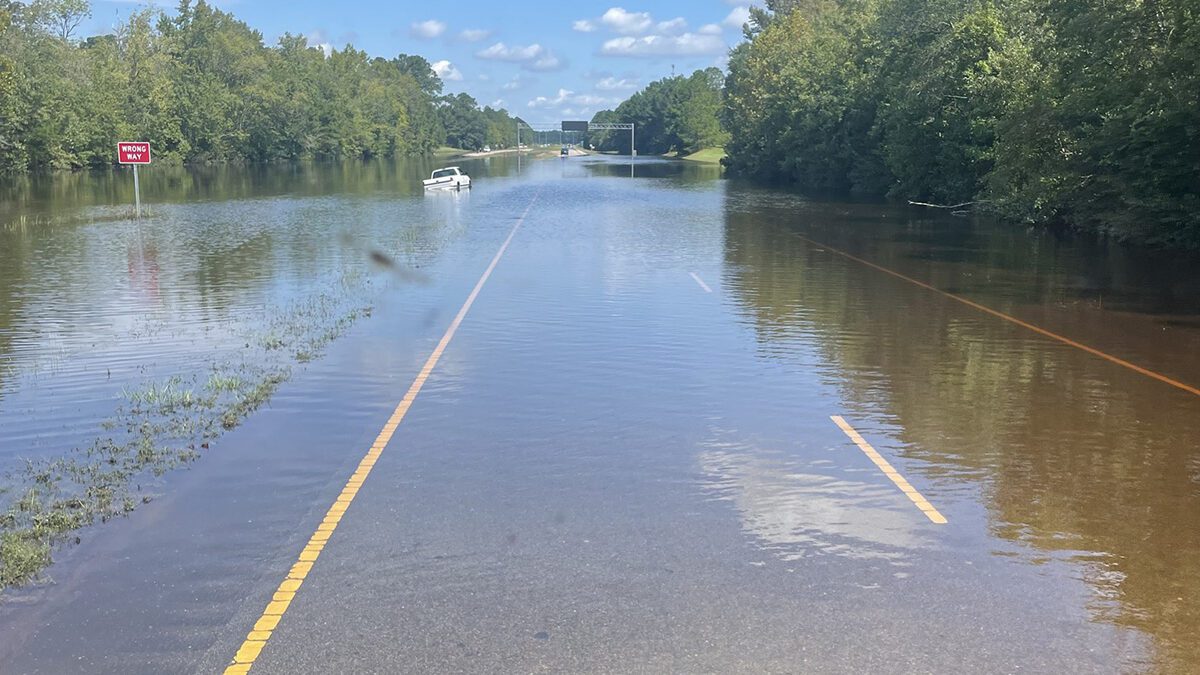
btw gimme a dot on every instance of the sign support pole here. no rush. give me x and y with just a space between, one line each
134 152
137 194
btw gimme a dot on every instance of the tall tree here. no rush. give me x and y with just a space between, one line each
200 86
465 124
61 17
1076 111
674 114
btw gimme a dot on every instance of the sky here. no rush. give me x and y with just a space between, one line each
545 61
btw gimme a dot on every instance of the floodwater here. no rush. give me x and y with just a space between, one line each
625 461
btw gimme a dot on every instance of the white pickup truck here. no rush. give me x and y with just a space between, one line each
449 178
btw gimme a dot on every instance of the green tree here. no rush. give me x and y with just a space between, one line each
604 140
1074 111
501 129
674 114
200 86
696 117
934 124
13 156
792 96
419 69
60 17
1103 128
465 124
214 60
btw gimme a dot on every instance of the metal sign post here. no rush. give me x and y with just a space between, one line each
606 126
134 153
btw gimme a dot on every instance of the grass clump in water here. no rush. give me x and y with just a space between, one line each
165 397
158 426
22 556
220 383
250 399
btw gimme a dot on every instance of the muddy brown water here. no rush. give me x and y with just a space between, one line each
607 436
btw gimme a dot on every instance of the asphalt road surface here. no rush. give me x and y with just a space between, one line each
674 424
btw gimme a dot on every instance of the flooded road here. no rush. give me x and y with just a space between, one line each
625 459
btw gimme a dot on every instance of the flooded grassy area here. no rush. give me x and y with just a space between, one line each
129 347
157 426
627 448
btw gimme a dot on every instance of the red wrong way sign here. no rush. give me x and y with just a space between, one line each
133 153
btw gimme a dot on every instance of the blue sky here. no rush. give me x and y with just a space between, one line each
545 61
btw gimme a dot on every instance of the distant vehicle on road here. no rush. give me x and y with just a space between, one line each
449 178
487 148
566 152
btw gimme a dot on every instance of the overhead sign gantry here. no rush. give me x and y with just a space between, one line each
580 126
605 126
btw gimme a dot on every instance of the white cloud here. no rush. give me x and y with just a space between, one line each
737 18
590 100
672 27
544 102
546 62
709 29
515 54
613 84
427 30
447 71
623 22
688 44
532 57
575 102
474 35
627 23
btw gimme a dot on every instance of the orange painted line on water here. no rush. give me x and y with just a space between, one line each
1011 319
267 622
888 470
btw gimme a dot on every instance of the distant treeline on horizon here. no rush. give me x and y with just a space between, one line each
202 86
1081 112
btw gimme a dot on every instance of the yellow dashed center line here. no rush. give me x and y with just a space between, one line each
889 471
257 638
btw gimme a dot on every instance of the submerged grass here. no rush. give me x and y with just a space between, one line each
158 426
219 383
27 221
706 156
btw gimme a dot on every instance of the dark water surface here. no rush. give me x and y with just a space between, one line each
611 469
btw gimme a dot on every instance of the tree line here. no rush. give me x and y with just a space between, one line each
201 86
675 114
1085 112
